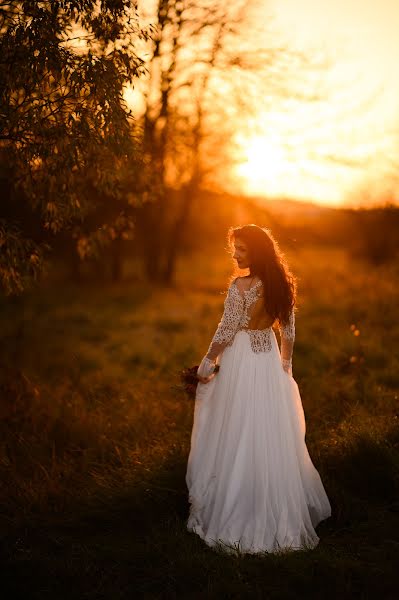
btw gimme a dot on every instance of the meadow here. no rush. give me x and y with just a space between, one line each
95 434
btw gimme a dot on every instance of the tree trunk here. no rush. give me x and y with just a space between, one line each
75 264
150 231
116 261
176 234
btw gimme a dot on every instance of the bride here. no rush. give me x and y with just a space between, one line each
252 485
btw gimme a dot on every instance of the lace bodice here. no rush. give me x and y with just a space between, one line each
244 310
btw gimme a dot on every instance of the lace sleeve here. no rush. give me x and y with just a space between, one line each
226 330
287 334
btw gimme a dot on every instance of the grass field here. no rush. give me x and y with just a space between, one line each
95 434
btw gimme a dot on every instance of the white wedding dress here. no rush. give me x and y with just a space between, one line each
252 485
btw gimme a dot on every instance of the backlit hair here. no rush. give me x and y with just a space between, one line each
267 262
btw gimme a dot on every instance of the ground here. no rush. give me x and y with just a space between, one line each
95 433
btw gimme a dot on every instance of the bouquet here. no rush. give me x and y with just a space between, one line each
189 379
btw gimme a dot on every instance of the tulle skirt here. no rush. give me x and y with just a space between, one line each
252 485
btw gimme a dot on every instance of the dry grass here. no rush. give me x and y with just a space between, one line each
95 435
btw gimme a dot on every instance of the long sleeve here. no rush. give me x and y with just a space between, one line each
226 330
287 334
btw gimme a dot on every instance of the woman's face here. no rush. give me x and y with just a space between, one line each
241 254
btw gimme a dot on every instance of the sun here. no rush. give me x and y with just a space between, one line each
264 164
267 166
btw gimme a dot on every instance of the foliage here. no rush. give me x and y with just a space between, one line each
375 233
63 119
20 259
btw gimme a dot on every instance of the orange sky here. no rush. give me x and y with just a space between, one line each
341 148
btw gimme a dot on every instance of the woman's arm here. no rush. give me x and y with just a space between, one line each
287 334
225 332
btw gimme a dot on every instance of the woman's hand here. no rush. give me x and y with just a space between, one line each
205 379
207 370
287 365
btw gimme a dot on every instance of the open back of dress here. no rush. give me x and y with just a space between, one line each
244 309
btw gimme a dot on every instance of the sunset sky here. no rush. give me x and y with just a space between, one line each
333 135
343 147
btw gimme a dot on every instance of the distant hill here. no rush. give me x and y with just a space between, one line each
281 206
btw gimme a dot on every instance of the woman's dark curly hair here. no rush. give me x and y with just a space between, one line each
267 262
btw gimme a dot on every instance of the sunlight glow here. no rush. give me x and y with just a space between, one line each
342 148
321 123
264 166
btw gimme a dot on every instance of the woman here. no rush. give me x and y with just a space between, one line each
252 485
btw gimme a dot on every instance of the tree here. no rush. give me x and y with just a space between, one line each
203 76
65 128
190 44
